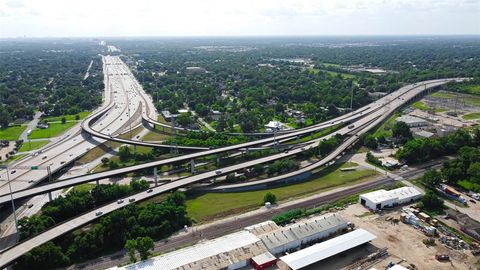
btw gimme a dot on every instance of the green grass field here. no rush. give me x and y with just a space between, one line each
385 129
333 73
28 146
472 89
212 205
54 130
471 116
84 187
11 133
68 117
420 106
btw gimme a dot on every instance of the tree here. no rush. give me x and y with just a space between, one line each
144 245
369 141
373 159
64 120
269 197
258 169
201 109
184 119
431 178
431 202
248 121
230 178
401 131
131 246
105 161
474 172
222 124
124 153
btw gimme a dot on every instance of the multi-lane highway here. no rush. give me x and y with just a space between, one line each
370 118
367 114
73 144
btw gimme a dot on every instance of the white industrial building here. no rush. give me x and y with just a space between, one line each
380 199
303 232
412 121
324 250
231 251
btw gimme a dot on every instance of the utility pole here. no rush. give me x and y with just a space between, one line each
351 101
11 199
274 137
174 150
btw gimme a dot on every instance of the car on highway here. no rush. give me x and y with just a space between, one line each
12 172
63 162
98 213
150 190
30 181
120 201
351 126
30 205
44 157
218 172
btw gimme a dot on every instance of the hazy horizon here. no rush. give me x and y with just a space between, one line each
249 18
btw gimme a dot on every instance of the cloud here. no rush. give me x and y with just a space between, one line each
229 17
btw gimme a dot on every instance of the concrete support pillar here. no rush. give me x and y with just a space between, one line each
49 171
50 196
218 160
192 166
155 176
97 182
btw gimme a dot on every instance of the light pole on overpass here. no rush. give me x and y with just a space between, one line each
11 199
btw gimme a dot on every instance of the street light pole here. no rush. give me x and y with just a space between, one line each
11 198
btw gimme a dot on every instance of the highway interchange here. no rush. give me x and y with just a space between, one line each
123 97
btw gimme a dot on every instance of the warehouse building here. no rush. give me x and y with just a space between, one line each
324 250
263 228
412 121
380 199
294 236
232 251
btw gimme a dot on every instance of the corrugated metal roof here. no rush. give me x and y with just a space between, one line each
301 230
327 249
196 253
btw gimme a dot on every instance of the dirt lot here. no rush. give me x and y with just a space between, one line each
404 242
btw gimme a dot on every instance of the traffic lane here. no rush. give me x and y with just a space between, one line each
124 170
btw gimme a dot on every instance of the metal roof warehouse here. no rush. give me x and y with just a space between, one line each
324 250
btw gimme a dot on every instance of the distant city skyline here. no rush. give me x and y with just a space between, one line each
92 18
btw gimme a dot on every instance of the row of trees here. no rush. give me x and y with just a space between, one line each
419 150
139 222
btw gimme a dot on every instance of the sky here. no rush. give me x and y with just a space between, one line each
108 18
